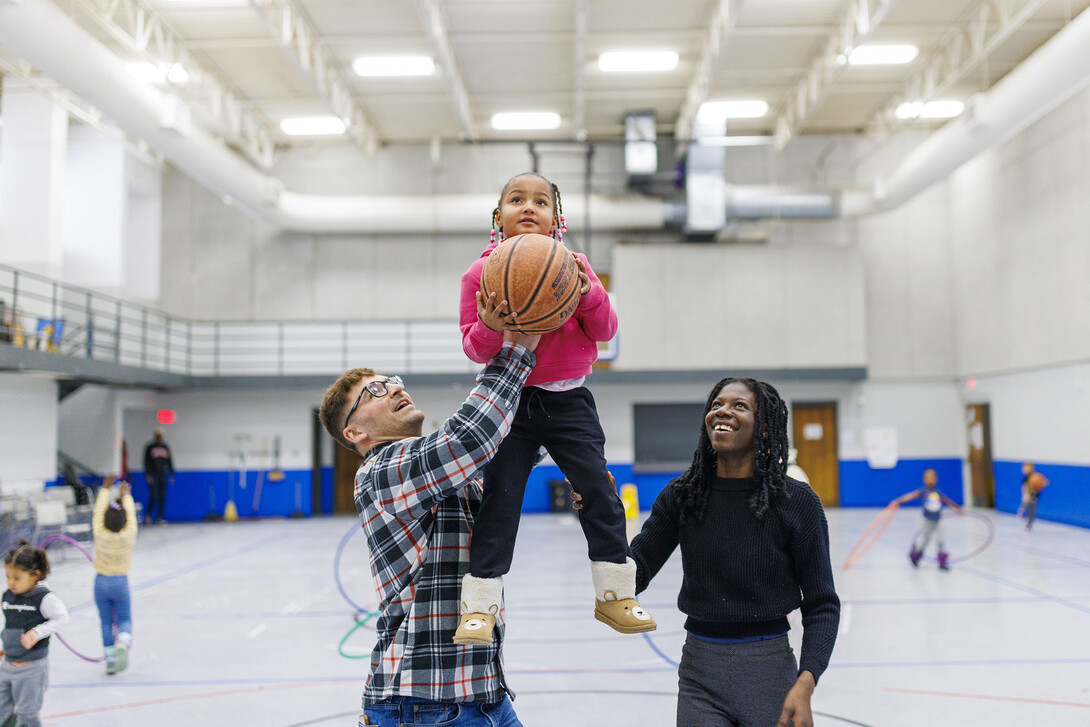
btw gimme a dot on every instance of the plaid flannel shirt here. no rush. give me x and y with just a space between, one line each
417 500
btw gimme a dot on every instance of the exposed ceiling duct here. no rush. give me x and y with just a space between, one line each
41 34
1049 76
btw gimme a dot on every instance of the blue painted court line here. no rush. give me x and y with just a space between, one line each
1025 589
215 560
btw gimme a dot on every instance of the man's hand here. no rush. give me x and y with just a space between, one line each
526 340
496 314
797 704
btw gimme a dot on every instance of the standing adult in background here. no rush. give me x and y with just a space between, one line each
159 472
418 499
754 547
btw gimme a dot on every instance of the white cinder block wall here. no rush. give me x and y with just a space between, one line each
982 274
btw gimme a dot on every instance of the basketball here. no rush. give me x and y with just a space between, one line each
539 279
1037 481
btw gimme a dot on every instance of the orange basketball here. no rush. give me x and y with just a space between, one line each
1037 481
539 279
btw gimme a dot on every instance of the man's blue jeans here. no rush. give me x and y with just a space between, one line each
398 711
112 599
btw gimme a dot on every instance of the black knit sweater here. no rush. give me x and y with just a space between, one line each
741 576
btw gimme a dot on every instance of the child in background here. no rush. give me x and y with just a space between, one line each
933 500
556 412
32 613
114 526
1032 484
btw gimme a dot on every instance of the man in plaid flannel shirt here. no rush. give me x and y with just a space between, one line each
417 497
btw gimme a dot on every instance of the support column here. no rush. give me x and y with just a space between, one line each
32 166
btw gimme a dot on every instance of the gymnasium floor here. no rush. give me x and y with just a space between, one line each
238 625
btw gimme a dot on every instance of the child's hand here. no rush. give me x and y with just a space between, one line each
584 279
28 639
495 315
125 488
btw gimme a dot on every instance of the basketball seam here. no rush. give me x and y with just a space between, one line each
541 280
507 270
560 307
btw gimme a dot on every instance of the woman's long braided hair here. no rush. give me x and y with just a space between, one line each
769 460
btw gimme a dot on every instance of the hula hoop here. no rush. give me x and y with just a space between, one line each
337 568
360 611
972 553
357 625
52 539
881 522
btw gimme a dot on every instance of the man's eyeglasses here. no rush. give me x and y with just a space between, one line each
377 389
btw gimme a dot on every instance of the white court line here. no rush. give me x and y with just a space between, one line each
258 630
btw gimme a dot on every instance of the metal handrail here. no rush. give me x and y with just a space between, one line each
77 322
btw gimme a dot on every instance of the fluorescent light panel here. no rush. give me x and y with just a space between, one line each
740 109
882 55
939 109
379 66
312 126
525 120
637 61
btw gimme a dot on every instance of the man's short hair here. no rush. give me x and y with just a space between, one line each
336 402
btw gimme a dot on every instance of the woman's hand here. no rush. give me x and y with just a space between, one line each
577 499
797 704
495 314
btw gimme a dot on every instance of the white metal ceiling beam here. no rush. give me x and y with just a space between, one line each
138 28
719 28
294 33
859 20
579 92
435 26
991 23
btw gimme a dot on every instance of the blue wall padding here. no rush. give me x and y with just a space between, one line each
862 486
195 494
1065 500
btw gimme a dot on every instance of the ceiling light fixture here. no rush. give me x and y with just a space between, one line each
525 120
735 141
383 66
882 55
637 61
940 109
157 72
312 126
712 111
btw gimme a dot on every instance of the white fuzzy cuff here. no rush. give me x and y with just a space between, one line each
481 595
618 578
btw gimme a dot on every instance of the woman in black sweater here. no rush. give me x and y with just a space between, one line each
754 547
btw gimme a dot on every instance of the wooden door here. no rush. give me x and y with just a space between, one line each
981 472
813 434
345 464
